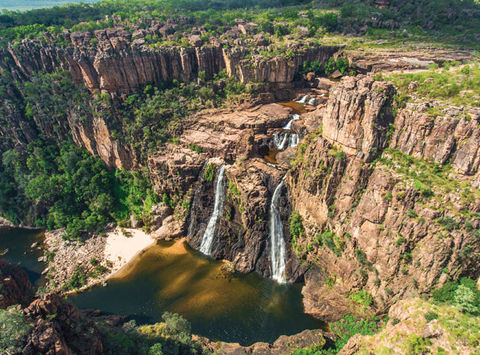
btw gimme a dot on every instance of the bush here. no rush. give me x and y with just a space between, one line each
429 316
463 294
363 297
210 172
296 226
417 345
13 331
177 327
465 299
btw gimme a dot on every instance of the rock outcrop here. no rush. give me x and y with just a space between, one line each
60 328
113 61
390 226
283 345
14 285
409 329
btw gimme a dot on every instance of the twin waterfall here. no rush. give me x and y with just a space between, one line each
277 249
207 240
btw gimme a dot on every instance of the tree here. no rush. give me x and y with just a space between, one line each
465 299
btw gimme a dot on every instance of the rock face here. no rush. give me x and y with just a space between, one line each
358 115
283 345
451 135
242 230
15 286
60 328
392 227
113 62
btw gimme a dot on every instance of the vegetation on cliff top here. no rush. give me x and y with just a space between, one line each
450 20
453 84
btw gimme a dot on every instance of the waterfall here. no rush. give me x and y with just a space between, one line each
277 249
293 140
207 240
312 101
280 140
288 126
303 99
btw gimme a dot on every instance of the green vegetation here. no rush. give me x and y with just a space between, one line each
363 298
341 64
13 330
449 21
455 85
331 241
210 172
417 345
434 182
172 336
66 187
296 230
462 294
345 328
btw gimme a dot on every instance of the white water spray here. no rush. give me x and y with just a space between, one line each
277 249
288 126
303 99
207 240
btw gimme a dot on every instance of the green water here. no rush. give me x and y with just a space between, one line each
172 277
18 244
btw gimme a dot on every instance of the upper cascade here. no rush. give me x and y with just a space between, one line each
207 241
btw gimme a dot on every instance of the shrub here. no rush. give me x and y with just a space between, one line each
13 331
465 299
296 225
429 316
417 345
177 327
363 297
210 172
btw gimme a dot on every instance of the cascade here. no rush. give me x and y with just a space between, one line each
293 140
312 101
288 126
303 99
207 240
280 140
277 249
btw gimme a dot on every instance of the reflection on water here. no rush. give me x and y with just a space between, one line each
17 245
172 277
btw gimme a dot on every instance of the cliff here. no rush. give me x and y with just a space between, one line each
382 210
113 61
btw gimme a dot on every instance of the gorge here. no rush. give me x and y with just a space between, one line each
308 174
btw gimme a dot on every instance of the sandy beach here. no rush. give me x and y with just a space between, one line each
123 244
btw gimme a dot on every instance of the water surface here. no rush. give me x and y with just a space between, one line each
23 5
173 277
17 243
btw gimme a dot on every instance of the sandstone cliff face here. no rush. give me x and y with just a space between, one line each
113 61
396 226
238 140
116 63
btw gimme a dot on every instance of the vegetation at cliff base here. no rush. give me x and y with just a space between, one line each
66 187
172 336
